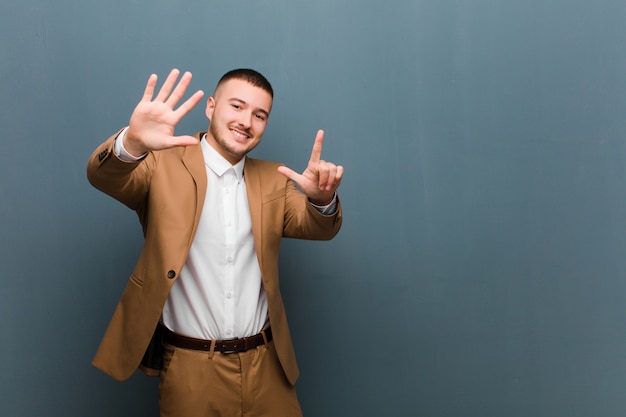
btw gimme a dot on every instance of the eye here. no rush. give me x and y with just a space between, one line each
260 116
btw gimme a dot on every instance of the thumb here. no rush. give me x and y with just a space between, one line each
186 140
289 173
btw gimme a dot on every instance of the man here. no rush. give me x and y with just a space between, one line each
202 308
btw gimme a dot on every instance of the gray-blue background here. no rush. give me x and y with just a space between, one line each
481 267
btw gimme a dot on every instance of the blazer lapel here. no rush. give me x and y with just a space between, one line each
254 193
193 159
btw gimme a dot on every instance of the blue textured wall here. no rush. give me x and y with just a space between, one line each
481 267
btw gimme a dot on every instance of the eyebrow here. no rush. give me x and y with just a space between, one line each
243 102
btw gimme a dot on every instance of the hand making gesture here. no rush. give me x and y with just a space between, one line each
320 179
153 120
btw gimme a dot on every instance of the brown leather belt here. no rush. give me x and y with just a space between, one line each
223 346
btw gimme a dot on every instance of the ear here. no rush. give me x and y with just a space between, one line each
210 108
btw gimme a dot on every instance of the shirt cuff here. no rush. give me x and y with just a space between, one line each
329 208
121 152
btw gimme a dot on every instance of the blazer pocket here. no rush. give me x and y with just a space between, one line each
135 280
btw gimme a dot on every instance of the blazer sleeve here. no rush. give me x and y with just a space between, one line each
127 182
304 221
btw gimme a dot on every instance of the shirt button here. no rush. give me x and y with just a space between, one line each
171 274
229 294
229 259
229 332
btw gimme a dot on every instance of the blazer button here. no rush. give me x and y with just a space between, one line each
171 274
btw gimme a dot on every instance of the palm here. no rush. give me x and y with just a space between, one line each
154 120
153 123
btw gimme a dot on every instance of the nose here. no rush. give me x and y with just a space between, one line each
245 120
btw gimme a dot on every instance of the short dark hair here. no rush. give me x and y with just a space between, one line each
253 77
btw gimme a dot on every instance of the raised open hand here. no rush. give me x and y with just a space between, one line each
153 120
320 179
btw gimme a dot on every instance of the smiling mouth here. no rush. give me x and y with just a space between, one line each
240 134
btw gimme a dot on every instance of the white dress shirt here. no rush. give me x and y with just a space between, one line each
219 293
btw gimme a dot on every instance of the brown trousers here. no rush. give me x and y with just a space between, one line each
211 384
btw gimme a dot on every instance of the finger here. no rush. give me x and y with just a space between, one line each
316 153
334 177
289 173
167 142
332 173
149 91
323 172
189 104
185 140
179 90
338 176
166 89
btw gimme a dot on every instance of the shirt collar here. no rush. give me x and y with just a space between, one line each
218 163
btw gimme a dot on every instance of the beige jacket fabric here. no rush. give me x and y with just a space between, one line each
167 191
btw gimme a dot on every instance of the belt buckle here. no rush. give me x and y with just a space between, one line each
233 346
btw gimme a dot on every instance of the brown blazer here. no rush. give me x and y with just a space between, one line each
167 191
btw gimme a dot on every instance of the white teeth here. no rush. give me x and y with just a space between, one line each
239 134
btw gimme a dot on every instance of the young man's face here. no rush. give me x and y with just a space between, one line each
238 112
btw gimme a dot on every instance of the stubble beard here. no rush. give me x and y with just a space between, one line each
223 144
